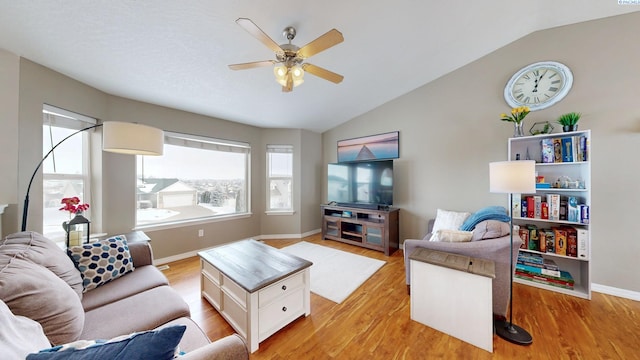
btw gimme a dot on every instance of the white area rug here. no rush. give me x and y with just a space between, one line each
335 274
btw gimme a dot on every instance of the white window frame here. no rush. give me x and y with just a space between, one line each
288 149
61 118
208 143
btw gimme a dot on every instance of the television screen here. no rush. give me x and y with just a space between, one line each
366 182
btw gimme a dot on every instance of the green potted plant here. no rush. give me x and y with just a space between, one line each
569 121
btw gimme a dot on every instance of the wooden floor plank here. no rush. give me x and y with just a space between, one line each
374 322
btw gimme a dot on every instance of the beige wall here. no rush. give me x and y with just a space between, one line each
9 83
450 130
25 86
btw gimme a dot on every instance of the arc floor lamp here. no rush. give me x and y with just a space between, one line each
118 137
509 177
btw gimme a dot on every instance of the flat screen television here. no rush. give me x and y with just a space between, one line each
361 184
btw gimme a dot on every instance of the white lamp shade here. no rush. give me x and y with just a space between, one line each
129 138
512 176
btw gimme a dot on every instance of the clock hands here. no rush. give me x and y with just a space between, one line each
537 81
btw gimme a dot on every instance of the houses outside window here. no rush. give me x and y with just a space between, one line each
66 172
279 178
196 178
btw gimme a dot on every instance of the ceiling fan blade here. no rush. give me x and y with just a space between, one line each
251 65
329 39
257 33
323 73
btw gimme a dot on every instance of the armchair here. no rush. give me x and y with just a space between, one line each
490 241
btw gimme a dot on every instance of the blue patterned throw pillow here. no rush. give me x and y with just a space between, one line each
150 345
102 261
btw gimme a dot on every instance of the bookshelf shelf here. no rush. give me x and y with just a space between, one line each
571 237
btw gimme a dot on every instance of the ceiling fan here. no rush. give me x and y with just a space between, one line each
290 59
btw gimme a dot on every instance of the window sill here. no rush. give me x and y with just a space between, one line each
280 212
179 224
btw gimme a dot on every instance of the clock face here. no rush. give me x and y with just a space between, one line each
538 85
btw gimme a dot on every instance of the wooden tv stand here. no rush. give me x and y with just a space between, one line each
369 228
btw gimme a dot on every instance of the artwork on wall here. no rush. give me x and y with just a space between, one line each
367 148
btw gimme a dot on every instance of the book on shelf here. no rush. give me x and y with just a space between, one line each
516 203
546 281
583 243
537 201
533 259
544 210
524 235
573 210
557 150
531 207
550 237
563 209
561 240
564 149
547 150
572 241
567 149
542 240
523 207
537 270
553 202
584 214
532 244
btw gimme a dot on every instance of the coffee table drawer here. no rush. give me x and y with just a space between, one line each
235 314
234 290
211 272
211 290
280 312
281 288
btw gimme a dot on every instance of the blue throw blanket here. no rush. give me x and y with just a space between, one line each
498 213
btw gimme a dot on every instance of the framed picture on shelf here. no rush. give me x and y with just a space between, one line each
374 147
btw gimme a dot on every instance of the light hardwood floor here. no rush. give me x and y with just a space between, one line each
374 322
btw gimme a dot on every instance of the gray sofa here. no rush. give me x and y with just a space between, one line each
40 283
491 241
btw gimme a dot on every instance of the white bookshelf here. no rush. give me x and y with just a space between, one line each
530 148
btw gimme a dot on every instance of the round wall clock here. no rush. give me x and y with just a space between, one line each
538 85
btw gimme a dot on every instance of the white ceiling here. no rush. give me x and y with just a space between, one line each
175 53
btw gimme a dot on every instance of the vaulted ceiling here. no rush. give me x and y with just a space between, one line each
175 53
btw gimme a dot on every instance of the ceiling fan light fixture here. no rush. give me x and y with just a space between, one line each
282 72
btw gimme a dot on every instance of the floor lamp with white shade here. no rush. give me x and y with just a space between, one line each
118 137
509 177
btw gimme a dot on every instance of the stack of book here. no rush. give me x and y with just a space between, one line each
534 267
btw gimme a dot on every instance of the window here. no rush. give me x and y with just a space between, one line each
280 178
65 173
196 178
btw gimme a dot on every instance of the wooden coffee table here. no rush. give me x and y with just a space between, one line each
258 289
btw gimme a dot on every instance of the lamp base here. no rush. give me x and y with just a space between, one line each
512 333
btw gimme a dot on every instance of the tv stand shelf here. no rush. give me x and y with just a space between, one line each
369 228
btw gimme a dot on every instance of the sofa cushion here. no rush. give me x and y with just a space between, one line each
19 335
449 220
38 249
144 278
193 338
102 261
490 229
35 292
487 213
144 311
451 236
159 344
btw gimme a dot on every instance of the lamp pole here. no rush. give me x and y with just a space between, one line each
25 207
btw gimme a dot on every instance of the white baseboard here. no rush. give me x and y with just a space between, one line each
609 290
189 254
